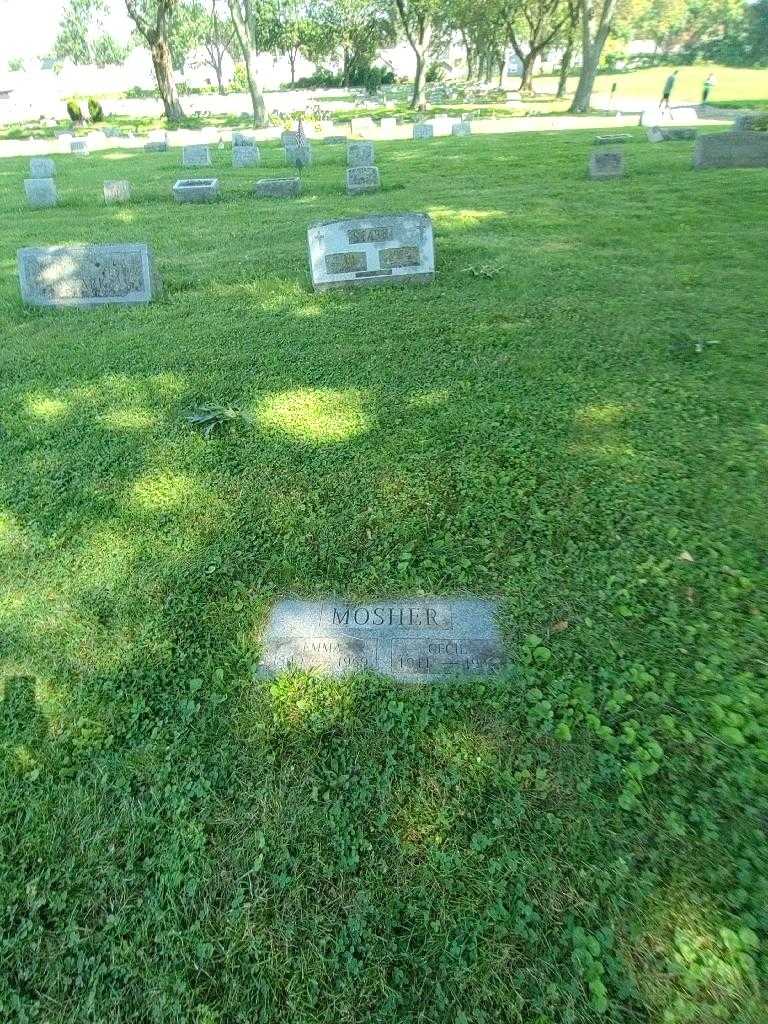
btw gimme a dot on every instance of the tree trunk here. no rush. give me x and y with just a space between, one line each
166 83
419 98
502 64
292 62
565 66
260 119
345 72
526 76
219 69
590 54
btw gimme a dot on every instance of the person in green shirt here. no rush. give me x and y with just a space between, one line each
669 85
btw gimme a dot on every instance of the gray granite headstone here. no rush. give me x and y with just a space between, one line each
606 165
196 190
79 147
610 140
244 138
411 640
360 154
298 156
362 179
196 156
277 188
666 133
40 192
461 128
245 156
288 138
156 146
334 140
381 249
731 149
423 131
751 122
87 275
117 192
42 167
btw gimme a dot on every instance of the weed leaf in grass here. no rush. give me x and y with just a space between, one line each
210 418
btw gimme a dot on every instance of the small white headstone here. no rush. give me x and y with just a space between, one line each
117 192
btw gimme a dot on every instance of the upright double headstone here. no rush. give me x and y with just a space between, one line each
380 249
362 174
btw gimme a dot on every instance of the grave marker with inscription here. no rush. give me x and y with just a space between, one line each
245 156
117 192
277 188
196 190
461 128
423 131
87 275
360 154
362 179
376 250
731 149
298 156
412 640
196 156
79 147
606 165
40 192
42 167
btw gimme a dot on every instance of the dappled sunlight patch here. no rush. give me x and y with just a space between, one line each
44 407
159 491
310 701
427 399
124 216
12 534
464 747
129 419
610 450
321 415
600 415
445 217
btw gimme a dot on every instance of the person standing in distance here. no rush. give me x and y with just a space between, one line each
669 85
709 83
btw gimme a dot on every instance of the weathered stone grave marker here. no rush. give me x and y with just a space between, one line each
298 156
606 165
277 188
87 275
244 138
196 190
79 147
40 192
423 131
334 140
196 156
245 156
610 140
158 141
362 179
42 167
461 128
360 154
117 192
380 249
659 133
731 149
411 640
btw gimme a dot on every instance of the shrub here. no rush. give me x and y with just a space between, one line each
239 81
75 111
95 109
137 93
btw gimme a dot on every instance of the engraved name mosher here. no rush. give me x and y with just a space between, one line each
389 615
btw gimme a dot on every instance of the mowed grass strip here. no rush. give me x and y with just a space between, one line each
581 839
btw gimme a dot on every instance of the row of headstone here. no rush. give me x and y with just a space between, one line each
381 249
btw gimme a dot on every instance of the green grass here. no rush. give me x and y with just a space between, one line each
582 839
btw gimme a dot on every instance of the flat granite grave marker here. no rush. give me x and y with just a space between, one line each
362 179
423 131
608 140
245 156
360 154
42 167
334 140
117 192
87 275
606 165
196 190
657 133
411 640
196 156
40 192
731 149
277 188
388 248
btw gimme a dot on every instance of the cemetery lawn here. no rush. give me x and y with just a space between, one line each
581 839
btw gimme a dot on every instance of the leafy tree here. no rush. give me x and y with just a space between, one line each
352 29
152 19
75 41
217 41
534 25
484 34
757 32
